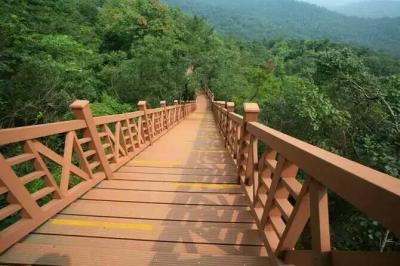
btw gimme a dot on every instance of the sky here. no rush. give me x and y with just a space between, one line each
336 2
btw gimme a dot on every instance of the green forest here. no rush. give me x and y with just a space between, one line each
341 97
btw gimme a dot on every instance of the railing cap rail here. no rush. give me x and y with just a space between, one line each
79 104
230 104
17 134
251 108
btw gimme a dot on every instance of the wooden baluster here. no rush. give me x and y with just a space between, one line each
319 218
81 110
152 124
169 117
237 142
217 111
221 118
142 105
184 109
251 111
176 111
18 194
117 140
254 171
230 107
214 110
274 187
218 114
41 166
298 219
108 140
164 119
179 110
131 140
66 167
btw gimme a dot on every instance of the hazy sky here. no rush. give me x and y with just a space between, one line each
336 2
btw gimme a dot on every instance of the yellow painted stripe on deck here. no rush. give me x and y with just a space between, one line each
99 224
210 151
203 185
156 162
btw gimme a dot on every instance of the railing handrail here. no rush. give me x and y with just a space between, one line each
106 119
268 181
17 134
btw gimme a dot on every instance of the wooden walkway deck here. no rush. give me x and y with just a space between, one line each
177 202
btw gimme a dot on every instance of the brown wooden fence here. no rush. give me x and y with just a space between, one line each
287 186
93 148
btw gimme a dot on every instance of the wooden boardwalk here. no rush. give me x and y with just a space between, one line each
177 202
159 187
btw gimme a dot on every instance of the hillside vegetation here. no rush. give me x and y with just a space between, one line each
270 19
114 53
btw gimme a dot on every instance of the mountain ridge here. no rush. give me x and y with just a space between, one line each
271 19
370 9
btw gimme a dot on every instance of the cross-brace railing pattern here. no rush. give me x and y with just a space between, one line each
89 150
286 183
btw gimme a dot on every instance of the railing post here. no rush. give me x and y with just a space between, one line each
230 107
142 105
251 111
176 111
163 104
319 218
221 118
184 108
81 110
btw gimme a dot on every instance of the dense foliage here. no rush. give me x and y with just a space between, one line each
270 19
115 52
52 52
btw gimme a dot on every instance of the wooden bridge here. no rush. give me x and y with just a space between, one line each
182 184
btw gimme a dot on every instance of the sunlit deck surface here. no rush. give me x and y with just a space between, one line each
178 202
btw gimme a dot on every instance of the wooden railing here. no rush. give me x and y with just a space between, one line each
90 150
287 186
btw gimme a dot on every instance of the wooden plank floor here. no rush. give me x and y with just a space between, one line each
178 196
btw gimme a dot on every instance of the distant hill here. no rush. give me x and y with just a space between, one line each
370 9
271 19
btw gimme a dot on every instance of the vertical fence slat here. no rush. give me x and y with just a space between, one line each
251 111
142 105
320 234
66 167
